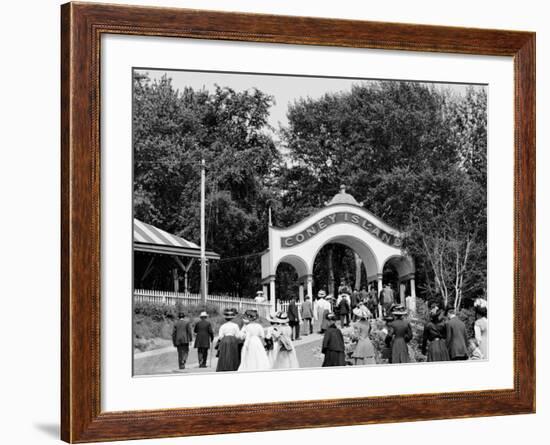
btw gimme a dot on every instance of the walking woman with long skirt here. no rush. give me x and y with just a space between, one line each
253 355
229 356
283 354
400 333
364 353
433 342
333 344
480 329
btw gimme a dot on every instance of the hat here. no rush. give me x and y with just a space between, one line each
260 292
203 314
362 312
321 294
480 302
281 317
229 313
331 317
251 314
399 310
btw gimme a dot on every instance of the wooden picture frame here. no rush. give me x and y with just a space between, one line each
82 26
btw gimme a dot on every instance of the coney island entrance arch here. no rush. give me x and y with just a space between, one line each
343 220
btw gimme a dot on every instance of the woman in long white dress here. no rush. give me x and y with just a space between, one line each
253 355
283 354
480 329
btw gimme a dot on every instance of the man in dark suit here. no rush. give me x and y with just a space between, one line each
205 335
343 311
294 319
373 299
181 337
457 339
307 314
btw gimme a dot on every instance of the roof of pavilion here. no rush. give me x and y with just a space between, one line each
148 238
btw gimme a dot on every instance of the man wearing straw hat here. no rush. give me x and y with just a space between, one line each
322 309
205 335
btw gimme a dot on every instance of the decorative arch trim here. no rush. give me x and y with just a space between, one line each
326 221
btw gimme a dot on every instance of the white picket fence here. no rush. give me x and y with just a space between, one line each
220 301
283 306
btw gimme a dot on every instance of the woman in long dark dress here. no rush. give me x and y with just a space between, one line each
433 344
400 333
333 344
229 355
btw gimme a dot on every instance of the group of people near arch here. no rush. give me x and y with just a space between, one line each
244 344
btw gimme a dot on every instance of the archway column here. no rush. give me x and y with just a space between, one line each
413 295
301 292
380 309
402 289
272 297
309 281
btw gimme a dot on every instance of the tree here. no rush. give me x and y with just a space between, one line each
173 131
416 157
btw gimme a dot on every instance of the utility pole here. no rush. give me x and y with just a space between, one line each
203 236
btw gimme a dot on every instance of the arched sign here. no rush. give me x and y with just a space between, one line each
342 220
341 217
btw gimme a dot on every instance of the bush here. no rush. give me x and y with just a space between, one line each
156 320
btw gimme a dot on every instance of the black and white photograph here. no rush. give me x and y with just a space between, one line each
285 221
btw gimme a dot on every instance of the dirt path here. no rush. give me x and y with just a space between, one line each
165 360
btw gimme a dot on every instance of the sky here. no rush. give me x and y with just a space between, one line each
285 89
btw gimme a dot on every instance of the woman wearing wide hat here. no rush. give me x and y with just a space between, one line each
283 354
433 341
253 354
333 344
364 353
229 356
400 333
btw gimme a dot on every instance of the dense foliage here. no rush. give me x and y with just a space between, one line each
415 155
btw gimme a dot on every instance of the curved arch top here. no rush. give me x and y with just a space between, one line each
343 220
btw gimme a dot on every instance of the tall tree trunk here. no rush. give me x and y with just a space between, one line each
330 268
358 264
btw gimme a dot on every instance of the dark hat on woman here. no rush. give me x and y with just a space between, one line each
251 314
229 314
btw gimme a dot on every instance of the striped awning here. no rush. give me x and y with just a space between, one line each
148 238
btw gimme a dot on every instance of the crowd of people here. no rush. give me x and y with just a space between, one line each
445 336
244 344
